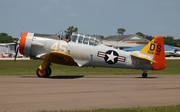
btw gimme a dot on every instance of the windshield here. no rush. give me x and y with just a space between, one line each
85 39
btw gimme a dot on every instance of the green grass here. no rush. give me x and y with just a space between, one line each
175 108
28 67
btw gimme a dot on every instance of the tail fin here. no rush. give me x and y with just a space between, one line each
155 48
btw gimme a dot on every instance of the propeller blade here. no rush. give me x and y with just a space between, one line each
17 45
17 49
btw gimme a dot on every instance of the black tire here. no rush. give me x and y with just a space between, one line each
49 71
144 75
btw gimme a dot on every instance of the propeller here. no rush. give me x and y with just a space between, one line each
17 45
16 49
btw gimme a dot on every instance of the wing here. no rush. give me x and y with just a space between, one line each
58 58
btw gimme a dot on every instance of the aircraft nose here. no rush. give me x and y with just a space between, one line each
22 42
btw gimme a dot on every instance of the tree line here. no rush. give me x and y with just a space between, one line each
5 38
169 40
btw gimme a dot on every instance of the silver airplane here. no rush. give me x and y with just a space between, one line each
171 53
85 50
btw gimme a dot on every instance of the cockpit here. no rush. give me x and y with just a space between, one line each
85 39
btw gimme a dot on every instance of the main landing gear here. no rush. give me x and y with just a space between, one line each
144 74
44 72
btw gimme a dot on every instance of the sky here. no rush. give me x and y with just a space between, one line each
99 17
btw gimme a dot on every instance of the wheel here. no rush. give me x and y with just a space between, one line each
49 71
144 75
41 73
44 73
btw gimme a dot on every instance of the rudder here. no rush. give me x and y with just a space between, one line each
159 55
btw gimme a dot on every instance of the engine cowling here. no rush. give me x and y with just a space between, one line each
25 43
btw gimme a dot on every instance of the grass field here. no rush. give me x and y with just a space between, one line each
28 67
174 108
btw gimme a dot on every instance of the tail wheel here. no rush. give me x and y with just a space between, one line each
44 73
144 75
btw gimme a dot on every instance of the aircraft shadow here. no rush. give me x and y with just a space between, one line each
58 77
82 76
147 77
66 77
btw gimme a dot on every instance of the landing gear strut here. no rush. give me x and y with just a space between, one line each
44 72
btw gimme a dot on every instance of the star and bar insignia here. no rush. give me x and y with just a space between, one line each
111 57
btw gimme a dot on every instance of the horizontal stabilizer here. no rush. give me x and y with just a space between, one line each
143 57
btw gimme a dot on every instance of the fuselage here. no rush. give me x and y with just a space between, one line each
85 50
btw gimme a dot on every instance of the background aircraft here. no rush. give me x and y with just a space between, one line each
85 50
170 53
173 53
177 54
